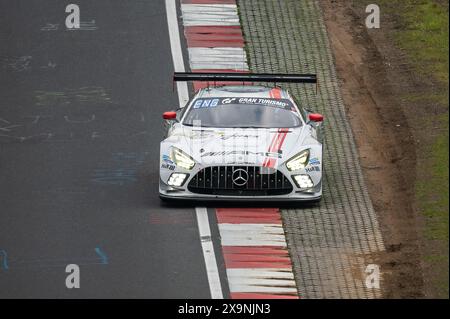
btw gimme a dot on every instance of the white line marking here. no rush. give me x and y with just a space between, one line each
201 212
208 253
177 53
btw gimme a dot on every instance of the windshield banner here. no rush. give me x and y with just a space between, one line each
214 102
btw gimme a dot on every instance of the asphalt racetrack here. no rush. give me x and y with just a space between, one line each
79 153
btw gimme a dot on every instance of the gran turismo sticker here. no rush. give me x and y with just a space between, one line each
212 103
229 100
284 103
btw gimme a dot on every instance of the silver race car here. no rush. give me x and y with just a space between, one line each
242 142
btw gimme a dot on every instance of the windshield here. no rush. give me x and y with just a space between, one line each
242 113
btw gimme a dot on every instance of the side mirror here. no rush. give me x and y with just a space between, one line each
170 115
315 117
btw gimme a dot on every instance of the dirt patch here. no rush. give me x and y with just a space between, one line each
373 77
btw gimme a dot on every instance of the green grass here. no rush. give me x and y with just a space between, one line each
426 37
433 195
422 32
433 192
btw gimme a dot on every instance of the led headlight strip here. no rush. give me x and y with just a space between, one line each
303 181
177 179
181 159
299 161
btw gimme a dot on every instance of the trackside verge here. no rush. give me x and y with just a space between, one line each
331 244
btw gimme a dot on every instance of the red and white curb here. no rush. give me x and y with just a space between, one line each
256 258
253 242
214 37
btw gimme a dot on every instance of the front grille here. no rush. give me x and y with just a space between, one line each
218 180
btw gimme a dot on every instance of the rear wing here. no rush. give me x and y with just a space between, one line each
245 77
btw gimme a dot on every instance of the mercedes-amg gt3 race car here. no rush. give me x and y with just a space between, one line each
242 142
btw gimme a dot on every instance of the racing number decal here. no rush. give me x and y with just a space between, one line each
275 147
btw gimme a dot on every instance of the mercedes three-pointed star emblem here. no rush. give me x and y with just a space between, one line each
240 177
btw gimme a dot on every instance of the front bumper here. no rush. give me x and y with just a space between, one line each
245 199
183 194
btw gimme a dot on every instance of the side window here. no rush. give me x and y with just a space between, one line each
181 111
304 114
303 111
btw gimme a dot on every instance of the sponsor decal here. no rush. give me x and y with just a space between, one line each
266 102
167 163
228 100
194 134
223 153
314 161
274 101
237 135
313 169
166 159
168 166
205 103
313 165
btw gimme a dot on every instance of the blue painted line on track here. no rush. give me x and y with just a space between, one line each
52 262
4 259
102 255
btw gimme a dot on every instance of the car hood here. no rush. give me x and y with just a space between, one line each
243 146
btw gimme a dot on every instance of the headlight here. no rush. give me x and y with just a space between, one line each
177 179
303 181
299 161
181 159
